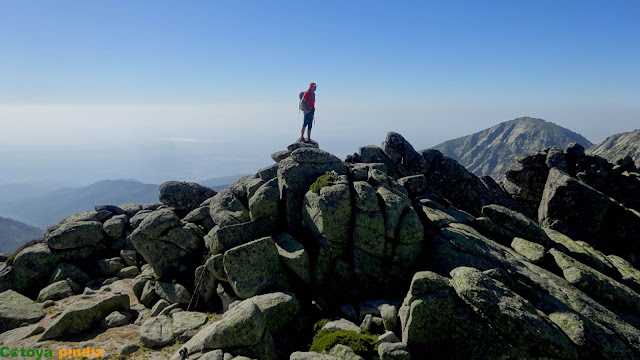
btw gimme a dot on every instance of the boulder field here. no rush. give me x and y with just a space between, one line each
389 254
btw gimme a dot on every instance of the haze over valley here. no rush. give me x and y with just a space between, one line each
80 145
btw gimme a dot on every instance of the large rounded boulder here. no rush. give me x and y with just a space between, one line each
184 196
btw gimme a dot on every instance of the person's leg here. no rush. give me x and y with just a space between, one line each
309 123
305 121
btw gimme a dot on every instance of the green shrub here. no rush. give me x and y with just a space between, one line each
361 344
326 179
318 326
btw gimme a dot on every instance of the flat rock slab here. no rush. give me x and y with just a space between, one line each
294 256
173 293
393 351
75 235
187 323
344 352
310 355
116 319
342 324
517 223
56 291
221 239
243 325
255 268
83 315
64 271
159 306
279 310
17 309
157 332
20 333
110 266
128 272
511 314
530 250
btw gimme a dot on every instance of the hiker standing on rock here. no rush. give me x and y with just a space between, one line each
308 105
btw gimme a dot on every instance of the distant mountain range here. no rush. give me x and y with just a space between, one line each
14 233
49 208
41 204
219 183
493 151
20 191
618 146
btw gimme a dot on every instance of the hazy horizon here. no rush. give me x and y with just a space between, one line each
157 143
159 90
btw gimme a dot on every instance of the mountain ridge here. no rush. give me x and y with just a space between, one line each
14 233
22 201
493 150
618 146
44 210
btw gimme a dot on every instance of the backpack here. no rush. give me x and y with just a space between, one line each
302 106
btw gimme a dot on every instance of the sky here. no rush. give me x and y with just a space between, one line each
187 90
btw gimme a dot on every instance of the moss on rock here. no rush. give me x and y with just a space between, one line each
361 344
326 179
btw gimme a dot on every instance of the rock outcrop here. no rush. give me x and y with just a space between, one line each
526 180
183 196
296 173
581 212
165 243
582 196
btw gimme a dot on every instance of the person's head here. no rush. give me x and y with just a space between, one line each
313 86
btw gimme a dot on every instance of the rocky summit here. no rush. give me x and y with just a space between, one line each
390 254
492 151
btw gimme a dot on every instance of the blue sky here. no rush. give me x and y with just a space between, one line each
213 51
432 70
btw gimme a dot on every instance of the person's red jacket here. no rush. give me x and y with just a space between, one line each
309 99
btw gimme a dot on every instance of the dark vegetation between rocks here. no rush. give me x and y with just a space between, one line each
361 344
323 180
